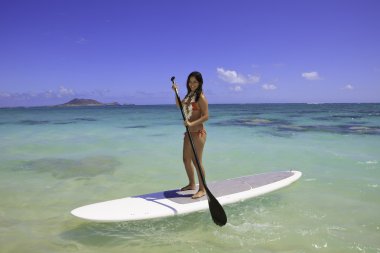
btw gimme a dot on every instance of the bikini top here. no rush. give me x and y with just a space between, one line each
194 106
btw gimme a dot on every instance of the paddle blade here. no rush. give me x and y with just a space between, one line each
217 212
172 79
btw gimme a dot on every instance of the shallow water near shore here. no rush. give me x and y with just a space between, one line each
56 159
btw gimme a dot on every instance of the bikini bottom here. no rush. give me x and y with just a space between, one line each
201 133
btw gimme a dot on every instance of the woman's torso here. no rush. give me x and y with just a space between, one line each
195 111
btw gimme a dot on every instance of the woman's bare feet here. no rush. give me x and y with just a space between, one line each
188 187
198 195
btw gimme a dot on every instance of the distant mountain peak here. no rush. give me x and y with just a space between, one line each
83 101
86 102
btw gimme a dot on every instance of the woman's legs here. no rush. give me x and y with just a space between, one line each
189 159
199 143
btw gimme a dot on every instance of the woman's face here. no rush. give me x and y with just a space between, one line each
193 83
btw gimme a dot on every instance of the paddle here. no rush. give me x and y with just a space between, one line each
217 212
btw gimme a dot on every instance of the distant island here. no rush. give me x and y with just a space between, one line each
87 102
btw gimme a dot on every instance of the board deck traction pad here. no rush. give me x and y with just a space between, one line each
221 188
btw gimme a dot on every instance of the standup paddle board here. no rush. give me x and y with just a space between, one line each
174 202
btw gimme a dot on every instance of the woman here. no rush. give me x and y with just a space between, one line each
195 107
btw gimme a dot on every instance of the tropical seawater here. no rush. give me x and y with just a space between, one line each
56 159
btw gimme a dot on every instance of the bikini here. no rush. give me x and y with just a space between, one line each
188 110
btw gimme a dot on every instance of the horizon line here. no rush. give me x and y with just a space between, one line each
131 105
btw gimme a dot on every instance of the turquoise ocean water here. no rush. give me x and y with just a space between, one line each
57 159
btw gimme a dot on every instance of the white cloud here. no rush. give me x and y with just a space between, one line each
60 93
311 76
82 41
100 93
63 91
232 76
4 95
348 87
229 76
46 94
253 79
268 86
236 88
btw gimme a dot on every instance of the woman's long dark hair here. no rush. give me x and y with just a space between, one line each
197 75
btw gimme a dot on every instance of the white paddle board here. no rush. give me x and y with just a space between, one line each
174 202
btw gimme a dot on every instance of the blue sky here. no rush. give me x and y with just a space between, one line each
254 51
